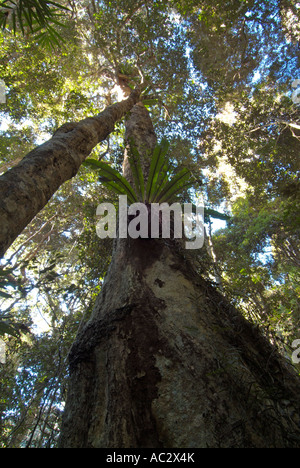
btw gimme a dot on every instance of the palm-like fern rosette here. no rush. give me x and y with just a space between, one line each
160 187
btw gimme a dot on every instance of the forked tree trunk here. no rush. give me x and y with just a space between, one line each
166 361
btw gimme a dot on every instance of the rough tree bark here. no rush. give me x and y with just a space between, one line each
26 188
166 361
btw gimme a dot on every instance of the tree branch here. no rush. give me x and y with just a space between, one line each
26 188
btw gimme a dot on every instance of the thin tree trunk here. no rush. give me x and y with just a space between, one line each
166 361
26 188
140 133
211 252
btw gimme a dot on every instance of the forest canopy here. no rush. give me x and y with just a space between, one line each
221 81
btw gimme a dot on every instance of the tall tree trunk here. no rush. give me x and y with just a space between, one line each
26 188
166 361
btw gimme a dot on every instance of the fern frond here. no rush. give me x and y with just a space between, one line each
112 179
158 170
179 182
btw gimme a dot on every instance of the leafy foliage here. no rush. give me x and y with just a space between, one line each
112 179
159 188
39 17
219 85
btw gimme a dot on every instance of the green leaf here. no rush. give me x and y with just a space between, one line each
150 102
59 6
158 169
6 329
117 188
161 180
32 13
208 212
110 176
172 188
49 38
